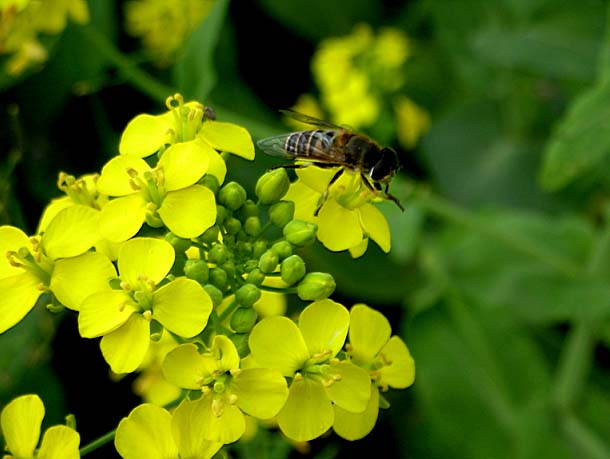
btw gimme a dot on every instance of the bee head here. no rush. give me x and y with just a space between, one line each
386 167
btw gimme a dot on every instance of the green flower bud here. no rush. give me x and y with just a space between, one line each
283 249
255 276
292 269
215 294
259 248
218 254
232 225
247 295
300 233
241 343
211 182
272 186
180 245
249 209
268 261
316 286
252 226
197 270
218 277
229 268
244 248
177 269
210 235
281 213
232 195
221 214
243 319
249 265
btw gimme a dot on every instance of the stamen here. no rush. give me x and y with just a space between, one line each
147 315
217 407
232 399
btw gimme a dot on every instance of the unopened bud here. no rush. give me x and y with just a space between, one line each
255 276
221 214
300 233
211 182
272 186
210 235
249 209
218 277
292 269
247 295
281 213
259 248
218 254
232 195
316 286
252 226
197 270
241 343
268 261
215 295
180 245
283 249
243 319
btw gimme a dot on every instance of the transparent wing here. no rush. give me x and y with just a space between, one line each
275 146
312 121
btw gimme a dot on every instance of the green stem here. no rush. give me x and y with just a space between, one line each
449 211
588 442
126 67
97 443
228 311
277 289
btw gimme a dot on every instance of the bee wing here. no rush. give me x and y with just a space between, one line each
312 121
275 146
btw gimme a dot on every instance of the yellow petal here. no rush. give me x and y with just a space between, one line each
305 201
354 426
324 326
73 231
189 212
185 163
145 256
369 331
189 435
217 167
400 372
360 249
121 218
11 239
104 312
115 178
228 137
144 135
376 226
19 295
125 348
59 442
51 210
338 227
20 421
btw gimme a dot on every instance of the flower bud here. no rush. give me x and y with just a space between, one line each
218 254
215 295
268 261
281 213
243 319
292 269
249 209
210 235
259 248
300 233
180 245
232 195
197 270
247 295
211 182
229 268
255 276
218 277
316 286
283 249
252 226
241 343
272 186
249 265
221 214
232 225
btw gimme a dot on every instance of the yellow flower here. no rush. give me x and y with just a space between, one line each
411 121
347 219
163 25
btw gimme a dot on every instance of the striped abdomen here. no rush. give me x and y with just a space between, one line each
314 144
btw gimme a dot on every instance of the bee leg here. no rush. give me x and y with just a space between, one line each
338 174
290 166
375 188
392 197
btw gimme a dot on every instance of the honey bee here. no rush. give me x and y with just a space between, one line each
335 146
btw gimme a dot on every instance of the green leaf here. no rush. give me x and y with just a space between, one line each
195 74
580 142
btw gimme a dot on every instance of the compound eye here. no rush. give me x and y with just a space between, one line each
385 167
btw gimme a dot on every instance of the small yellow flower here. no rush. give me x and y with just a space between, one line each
411 121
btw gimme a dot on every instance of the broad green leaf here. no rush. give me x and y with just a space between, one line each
581 140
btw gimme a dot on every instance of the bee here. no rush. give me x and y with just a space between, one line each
335 146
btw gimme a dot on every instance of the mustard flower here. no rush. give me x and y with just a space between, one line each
151 432
21 420
56 261
347 218
385 357
122 317
23 21
308 355
411 121
227 390
164 195
163 25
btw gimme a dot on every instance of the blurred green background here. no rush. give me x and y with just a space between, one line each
499 275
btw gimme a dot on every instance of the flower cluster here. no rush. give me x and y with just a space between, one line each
164 25
360 77
22 22
183 278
